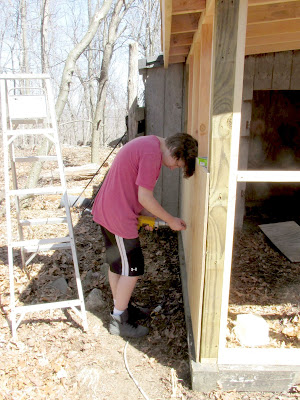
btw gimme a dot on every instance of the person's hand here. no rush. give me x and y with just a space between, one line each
148 228
177 224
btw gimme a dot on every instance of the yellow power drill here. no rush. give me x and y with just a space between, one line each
143 220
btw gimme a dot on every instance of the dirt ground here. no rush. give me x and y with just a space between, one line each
53 358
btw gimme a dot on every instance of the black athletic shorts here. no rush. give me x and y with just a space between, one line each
124 256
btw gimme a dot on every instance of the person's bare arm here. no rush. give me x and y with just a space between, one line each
148 201
147 213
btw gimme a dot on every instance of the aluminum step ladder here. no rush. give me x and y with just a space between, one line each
27 107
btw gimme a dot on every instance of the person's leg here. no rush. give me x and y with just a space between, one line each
121 288
113 282
125 287
126 265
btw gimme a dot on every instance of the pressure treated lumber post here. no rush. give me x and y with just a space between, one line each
228 64
205 89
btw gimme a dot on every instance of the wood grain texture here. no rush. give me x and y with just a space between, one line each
224 107
197 248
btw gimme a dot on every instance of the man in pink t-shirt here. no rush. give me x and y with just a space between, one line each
126 193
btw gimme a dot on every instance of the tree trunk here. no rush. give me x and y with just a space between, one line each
23 10
66 82
74 55
97 128
44 36
91 92
132 91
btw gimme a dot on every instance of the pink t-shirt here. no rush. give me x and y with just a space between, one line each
116 206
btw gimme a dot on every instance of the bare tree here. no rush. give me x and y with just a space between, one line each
132 90
120 9
75 54
23 11
66 82
44 35
145 26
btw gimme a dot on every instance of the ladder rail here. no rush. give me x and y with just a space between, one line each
3 87
17 205
65 195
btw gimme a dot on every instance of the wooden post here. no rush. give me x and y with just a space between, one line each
195 89
205 89
228 64
132 90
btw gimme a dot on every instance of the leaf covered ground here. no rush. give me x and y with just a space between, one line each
53 358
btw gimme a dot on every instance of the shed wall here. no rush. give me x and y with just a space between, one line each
163 115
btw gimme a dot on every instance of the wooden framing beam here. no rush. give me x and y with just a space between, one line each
190 94
185 23
273 28
265 2
228 64
179 51
205 89
196 91
176 59
274 12
197 36
182 39
270 48
276 39
188 6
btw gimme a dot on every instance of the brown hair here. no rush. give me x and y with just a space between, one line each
184 147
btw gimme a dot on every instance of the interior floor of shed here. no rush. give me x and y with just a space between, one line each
263 281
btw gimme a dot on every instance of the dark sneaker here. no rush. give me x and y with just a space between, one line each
119 325
137 313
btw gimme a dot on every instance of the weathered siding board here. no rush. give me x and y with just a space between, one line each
263 71
172 124
163 104
295 78
281 79
249 70
154 106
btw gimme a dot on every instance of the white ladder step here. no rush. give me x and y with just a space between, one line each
39 131
38 242
36 191
47 306
43 221
46 247
36 158
39 245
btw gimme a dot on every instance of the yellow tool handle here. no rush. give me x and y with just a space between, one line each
144 220
151 221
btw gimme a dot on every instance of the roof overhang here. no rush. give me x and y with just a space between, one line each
272 26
